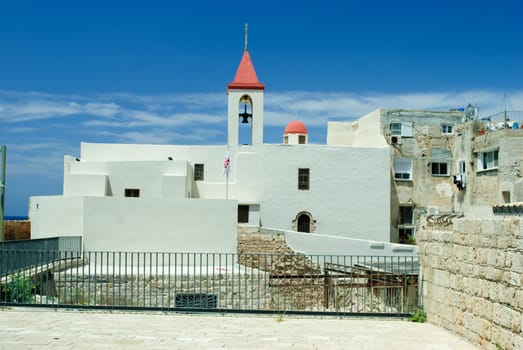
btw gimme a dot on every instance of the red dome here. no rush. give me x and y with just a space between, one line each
295 127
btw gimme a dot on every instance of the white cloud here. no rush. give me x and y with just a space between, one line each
123 110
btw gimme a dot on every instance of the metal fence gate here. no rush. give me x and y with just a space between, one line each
266 283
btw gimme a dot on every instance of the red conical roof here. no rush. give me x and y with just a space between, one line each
245 77
295 127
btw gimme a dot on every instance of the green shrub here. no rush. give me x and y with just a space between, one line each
20 289
419 315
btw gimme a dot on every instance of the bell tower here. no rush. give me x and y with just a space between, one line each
245 103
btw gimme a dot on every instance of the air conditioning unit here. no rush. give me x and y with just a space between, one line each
395 140
432 210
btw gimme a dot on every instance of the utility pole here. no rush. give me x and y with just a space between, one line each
2 197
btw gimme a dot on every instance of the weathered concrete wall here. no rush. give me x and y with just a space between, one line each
472 277
17 229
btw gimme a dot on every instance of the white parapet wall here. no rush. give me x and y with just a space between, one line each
138 224
320 244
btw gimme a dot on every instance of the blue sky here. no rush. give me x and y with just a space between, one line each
156 71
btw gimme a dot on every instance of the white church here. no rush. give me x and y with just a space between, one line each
172 198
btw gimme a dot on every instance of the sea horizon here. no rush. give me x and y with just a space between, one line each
15 217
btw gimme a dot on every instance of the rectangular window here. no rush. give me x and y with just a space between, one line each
462 167
506 196
198 172
406 223
303 179
243 214
401 129
488 160
132 192
447 129
301 139
403 169
406 215
440 169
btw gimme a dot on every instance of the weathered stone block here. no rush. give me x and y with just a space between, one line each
506 295
516 259
503 338
481 308
476 324
507 318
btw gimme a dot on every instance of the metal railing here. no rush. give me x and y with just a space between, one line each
341 285
20 254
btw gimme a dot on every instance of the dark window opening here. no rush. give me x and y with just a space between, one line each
243 214
132 192
303 179
301 139
440 169
304 223
406 224
198 172
406 215
405 234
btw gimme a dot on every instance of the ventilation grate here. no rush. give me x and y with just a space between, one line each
196 301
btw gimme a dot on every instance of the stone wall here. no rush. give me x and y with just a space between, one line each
472 277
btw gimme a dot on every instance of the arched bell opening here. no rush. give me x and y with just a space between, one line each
246 124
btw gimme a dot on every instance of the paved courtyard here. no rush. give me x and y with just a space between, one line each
30 328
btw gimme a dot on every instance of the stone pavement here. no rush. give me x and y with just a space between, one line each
30 328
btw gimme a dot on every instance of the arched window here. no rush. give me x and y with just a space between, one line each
304 222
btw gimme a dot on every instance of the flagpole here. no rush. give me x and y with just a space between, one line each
227 165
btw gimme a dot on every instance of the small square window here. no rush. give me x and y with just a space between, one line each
403 169
303 179
488 160
395 129
198 172
401 129
440 169
243 214
301 139
447 129
132 192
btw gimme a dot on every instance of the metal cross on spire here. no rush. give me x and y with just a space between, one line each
246 36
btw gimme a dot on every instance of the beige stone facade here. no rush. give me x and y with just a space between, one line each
472 278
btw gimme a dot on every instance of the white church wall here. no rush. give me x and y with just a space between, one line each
129 152
349 189
174 225
145 175
175 187
138 224
85 185
53 216
348 195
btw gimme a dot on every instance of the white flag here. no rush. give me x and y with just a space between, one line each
226 164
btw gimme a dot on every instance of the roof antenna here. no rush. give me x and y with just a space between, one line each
246 36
